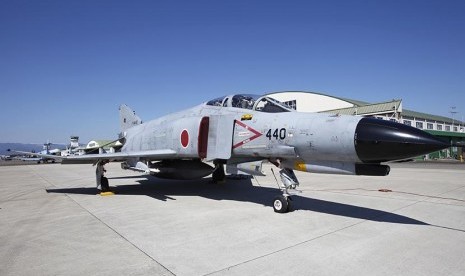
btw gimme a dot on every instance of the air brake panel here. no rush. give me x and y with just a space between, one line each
203 137
220 137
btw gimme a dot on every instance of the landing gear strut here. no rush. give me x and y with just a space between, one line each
282 203
218 175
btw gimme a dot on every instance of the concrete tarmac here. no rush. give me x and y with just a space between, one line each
52 222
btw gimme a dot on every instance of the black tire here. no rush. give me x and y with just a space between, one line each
289 203
218 175
280 204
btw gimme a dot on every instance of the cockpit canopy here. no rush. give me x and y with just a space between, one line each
251 102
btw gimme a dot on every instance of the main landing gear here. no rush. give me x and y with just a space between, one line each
282 203
219 176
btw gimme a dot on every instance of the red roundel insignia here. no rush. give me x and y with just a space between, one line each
184 138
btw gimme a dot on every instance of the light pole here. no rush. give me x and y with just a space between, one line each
453 112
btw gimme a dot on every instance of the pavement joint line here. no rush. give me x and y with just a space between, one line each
425 201
340 191
24 193
354 194
333 232
108 226
458 188
123 237
284 249
14 198
287 247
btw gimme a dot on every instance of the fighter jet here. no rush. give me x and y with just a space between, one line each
242 131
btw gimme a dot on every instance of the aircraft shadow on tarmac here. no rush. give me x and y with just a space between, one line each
241 190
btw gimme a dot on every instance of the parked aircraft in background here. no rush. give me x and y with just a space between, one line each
47 150
6 157
44 156
242 131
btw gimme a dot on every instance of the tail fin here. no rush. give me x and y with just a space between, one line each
127 118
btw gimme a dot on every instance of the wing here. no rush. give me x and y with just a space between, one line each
51 156
112 157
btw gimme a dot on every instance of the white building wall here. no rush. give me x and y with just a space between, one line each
440 126
308 102
313 102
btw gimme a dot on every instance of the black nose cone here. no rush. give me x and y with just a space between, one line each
380 141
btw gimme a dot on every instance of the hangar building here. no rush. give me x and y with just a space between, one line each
444 127
101 146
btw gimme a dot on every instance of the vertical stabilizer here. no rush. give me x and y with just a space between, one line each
127 118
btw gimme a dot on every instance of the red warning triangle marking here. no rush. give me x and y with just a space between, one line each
245 141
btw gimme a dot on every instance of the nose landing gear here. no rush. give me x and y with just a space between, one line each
282 203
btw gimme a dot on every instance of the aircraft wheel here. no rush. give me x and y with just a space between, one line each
104 184
289 203
280 204
218 174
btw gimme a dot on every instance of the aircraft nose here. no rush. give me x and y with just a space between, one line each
380 141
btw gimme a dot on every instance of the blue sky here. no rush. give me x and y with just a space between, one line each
65 66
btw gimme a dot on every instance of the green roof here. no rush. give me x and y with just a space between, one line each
105 143
368 109
446 133
354 102
436 118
